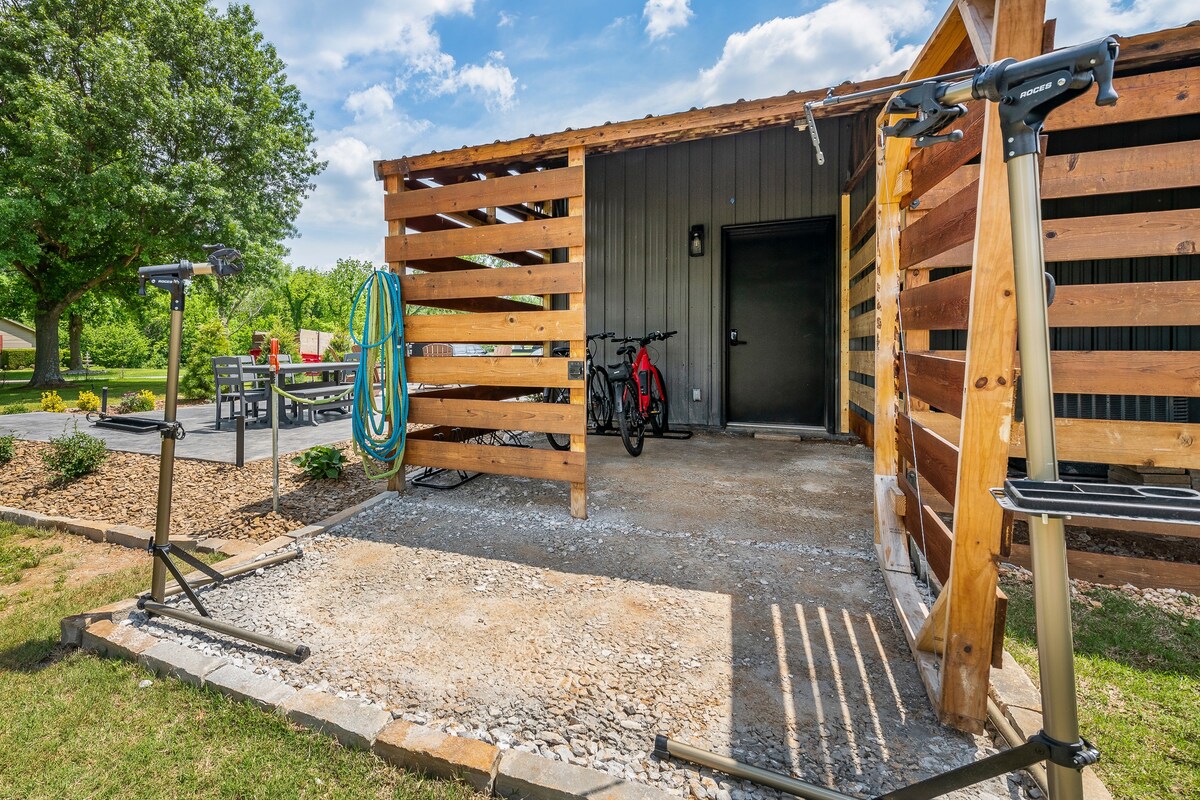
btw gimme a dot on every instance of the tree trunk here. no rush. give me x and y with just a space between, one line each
74 332
46 371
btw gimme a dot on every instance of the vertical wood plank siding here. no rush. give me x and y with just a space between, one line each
640 205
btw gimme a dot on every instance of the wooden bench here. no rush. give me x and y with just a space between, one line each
324 395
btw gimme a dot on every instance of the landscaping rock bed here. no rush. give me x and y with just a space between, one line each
210 499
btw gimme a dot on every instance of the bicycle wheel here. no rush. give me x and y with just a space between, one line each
559 441
658 403
600 403
633 426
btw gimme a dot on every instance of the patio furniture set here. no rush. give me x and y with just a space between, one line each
239 380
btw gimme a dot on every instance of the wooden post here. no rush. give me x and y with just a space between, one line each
987 406
889 529
575 158
394 184
844 323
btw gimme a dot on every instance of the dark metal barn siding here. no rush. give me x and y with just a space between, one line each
640 205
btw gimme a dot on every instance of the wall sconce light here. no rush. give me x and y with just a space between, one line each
696 240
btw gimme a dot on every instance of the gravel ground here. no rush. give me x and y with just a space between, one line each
210 499
735 603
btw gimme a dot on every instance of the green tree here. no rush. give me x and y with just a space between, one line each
132 132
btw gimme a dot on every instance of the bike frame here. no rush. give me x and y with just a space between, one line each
643 366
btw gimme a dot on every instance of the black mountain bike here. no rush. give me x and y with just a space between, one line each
600 404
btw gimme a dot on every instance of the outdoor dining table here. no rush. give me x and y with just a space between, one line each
338 368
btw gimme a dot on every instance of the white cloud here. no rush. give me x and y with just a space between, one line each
506 20
373 102
664 16
492 80
1083 20
841 40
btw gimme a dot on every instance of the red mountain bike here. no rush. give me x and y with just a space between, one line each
639 391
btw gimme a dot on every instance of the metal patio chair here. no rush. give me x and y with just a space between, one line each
234 385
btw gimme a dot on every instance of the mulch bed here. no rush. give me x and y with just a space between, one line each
210 500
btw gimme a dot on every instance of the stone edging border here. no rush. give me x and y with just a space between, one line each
486 768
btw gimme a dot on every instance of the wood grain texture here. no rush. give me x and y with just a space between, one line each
1153 233
987 406
863 325
934 538
863 290
521 326
943 304
1154 95
844 303
862 362
1126 304
861 428
525 462
490 371
935 457
935 379
484 239
863 258
1099 441
1120 570
547 184
497 415
520 280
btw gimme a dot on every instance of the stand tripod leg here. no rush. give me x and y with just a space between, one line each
166 462
1051 583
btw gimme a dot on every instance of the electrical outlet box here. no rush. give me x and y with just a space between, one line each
695 395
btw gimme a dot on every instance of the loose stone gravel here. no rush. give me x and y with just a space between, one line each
754 623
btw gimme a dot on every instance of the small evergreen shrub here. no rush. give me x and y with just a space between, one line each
7 448
74 455
321 461
196 378
88 401
52 402
135 402
15 408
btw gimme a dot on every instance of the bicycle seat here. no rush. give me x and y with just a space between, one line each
626 350
561 351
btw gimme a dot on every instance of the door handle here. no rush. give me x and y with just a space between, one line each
734 341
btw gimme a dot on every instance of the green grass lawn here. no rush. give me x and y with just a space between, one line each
76 725
117 381
1138 670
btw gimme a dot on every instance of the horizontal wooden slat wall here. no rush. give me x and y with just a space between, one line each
435 235
940 232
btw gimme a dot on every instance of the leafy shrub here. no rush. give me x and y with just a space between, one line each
52 402
321 461
339 346
15 408
134 402
7 448
73 455
17 358
88 401
209 341
116 345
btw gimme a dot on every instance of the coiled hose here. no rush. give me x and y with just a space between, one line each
377 326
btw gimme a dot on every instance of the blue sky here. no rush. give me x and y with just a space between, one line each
402 77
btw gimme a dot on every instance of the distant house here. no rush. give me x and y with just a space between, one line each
14 335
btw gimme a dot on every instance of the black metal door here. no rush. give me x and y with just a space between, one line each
778 280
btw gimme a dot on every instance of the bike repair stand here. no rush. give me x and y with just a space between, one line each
1026 91
172 278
